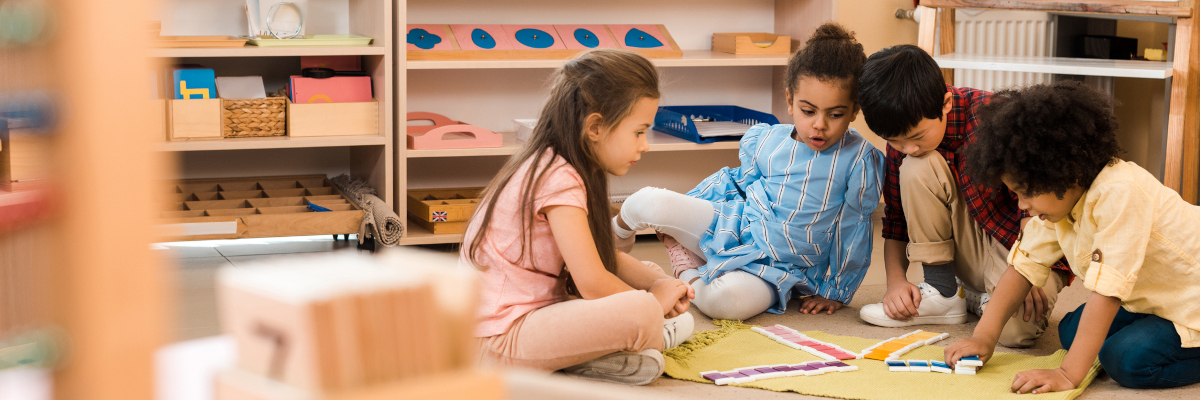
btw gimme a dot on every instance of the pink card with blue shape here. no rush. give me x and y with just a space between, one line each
640 37
533 37
481 37
583 37
428 37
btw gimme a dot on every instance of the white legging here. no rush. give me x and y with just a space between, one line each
736 295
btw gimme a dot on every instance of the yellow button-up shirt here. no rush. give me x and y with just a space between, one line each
1128 237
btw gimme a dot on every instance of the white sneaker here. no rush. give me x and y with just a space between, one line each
678 330
623 367
934 310
976 302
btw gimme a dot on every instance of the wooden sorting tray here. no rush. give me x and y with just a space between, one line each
236 208
443 210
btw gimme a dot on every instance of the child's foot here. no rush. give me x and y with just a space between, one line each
622 367
976 302
677 330
934 310
623 239
681 258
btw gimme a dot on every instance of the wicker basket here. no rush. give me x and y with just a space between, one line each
254 117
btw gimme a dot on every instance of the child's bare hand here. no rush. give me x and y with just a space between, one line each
684 302
1036 381
901 301
971 346
816 304
669 292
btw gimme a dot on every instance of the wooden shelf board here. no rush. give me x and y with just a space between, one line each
255 51
658 142
416 234
277 142
1059 65
691 58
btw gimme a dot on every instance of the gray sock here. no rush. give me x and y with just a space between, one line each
941 277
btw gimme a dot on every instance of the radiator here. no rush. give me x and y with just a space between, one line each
1002 33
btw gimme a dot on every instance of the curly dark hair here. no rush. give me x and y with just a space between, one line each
831 53
1044 138
901 85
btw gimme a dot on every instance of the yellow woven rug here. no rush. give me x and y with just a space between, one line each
734 345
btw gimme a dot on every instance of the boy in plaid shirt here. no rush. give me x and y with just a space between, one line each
934 213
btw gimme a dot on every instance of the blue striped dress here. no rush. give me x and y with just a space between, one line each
792 216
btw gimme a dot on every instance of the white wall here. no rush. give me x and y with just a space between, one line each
226 17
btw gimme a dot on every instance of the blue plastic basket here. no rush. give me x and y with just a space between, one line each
677 120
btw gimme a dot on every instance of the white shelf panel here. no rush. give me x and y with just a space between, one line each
255 51
658 142
1059 65
691 58
276 142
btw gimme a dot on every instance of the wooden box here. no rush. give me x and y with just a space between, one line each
205 209
443 210
752 43
24 156
332 119
198 119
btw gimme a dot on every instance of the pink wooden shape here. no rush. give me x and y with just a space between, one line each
463 34
511 31
439 30
619 32
567 34
432 137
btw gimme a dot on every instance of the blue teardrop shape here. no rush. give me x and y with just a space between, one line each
483 39
423 39
535 38
639 38
586 38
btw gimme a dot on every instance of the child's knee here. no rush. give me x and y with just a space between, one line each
1130 367
642 204
1020 334
645 319
928 169
735 296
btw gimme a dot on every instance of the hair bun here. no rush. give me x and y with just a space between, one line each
830 31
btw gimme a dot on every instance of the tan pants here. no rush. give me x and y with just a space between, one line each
941 230
576 331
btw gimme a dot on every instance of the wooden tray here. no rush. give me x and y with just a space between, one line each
198 41
443 205
204 209
457 51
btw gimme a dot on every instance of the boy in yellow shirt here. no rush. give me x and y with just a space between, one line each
1134 243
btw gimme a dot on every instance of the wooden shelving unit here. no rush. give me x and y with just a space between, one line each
1182 169
370 157
1059 65
255 51
697 68
691 58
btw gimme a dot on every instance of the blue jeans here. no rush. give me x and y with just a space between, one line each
1142 351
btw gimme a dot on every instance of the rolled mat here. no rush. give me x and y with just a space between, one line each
379 221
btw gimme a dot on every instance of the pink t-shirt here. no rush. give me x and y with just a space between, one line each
512 288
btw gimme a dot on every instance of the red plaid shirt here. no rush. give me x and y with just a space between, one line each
995 209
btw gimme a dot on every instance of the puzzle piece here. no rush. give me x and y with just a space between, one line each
763 372
893 348
897 365
918 366
972 361
939 366
792 338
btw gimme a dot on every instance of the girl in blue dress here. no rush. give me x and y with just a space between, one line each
795 217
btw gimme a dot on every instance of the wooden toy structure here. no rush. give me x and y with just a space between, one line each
204 209
470 42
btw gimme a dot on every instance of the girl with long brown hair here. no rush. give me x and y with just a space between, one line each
542 231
